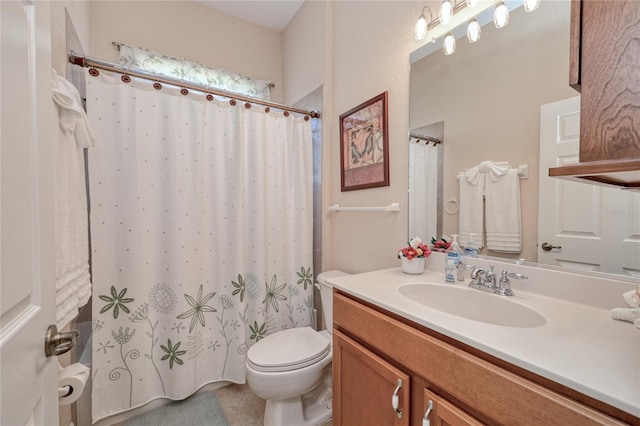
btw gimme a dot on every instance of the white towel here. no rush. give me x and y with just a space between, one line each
73 285
503 221
632 298
625 314
471 207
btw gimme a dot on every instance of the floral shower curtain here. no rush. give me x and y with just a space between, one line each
201 235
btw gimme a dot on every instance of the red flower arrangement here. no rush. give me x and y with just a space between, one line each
440 245
415 249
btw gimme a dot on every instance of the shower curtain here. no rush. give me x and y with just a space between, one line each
201 237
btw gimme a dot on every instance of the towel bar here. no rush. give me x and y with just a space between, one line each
393 207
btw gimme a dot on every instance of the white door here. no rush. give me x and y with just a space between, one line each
28 378
597 228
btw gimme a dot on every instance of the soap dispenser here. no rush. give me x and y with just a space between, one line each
455 246
470 249
452 269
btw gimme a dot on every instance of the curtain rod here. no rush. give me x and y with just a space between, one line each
428 139
88 62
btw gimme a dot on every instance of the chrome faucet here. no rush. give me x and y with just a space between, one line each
504 285
482 279
485 280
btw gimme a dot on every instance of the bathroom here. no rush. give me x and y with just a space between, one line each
350 51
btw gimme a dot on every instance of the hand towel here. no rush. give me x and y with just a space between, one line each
470 217
495 170
632 298
502 206
626 314
73 285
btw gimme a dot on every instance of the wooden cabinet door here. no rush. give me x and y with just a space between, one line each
443 413
364 385
610 80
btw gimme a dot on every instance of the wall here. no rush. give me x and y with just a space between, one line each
189 30
366 53
303 48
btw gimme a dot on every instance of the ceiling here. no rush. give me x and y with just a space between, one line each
271 14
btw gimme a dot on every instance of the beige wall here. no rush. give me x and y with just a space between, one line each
372 42
189 30
489 95
303 49
366 53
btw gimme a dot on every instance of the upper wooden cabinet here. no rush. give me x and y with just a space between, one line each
605 68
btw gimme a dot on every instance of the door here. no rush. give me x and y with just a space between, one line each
367 390
440 412
591 227
28 378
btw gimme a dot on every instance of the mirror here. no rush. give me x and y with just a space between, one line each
488 96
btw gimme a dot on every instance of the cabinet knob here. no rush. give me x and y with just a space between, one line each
395 400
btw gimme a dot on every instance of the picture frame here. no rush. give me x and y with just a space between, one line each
364 145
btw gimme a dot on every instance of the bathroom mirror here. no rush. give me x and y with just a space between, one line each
488 96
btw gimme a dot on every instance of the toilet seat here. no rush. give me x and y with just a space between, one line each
288 350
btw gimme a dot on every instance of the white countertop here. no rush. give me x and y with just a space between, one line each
580 346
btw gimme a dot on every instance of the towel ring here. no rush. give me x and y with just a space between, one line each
456 204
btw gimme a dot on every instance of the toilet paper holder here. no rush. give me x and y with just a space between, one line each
65 391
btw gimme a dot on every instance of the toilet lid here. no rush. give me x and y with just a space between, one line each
288 350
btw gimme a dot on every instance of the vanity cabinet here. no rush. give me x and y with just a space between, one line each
465 385
366 387
604 63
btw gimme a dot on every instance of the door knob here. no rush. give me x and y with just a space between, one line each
548 247
56 343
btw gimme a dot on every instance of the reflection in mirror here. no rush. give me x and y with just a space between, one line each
489 95
425 181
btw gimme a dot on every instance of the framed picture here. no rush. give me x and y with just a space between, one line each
364 145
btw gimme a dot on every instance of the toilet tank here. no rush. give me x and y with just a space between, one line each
326 294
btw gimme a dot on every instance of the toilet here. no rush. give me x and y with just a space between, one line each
291 369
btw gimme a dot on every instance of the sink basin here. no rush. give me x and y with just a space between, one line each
473 304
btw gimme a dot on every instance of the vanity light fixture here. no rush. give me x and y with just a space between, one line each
531 5
473 31
446 12
449 45
421 28
501 15
454 12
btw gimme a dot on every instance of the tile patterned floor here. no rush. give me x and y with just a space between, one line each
241 406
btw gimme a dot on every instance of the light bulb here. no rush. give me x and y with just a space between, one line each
449 45
501 15
473 3
420 30
473 31
531 5
446 12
